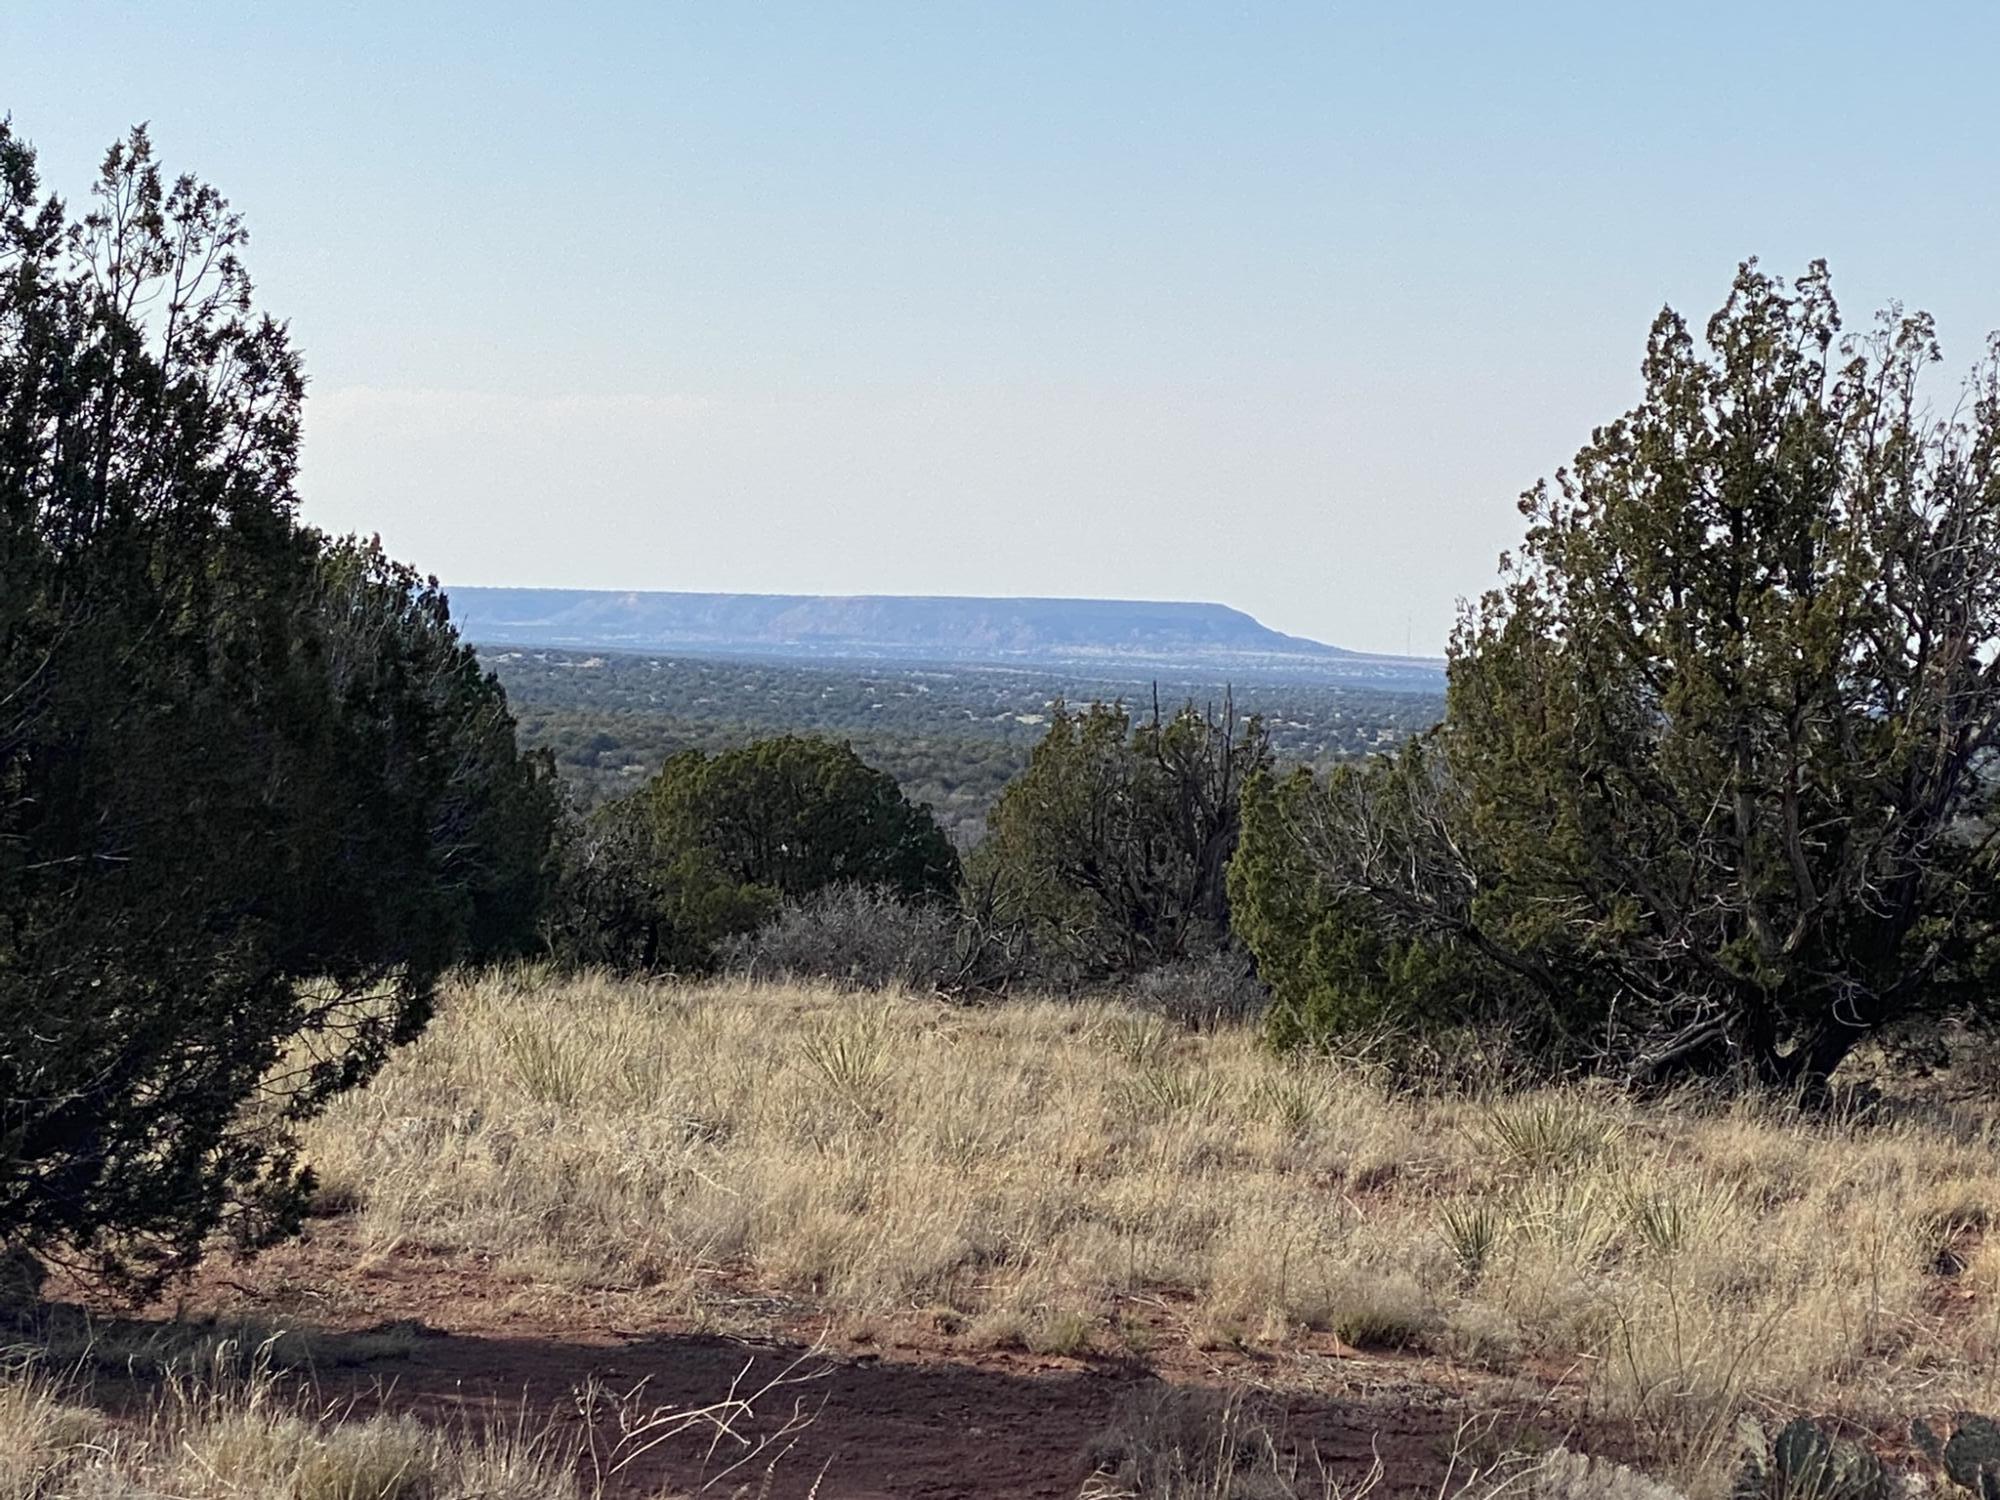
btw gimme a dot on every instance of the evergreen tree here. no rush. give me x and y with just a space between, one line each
1113 844
253 797
1714 785
713 843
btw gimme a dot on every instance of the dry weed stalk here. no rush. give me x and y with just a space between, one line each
230 1420
641 1428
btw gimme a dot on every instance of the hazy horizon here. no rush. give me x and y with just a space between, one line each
1276 307
453 585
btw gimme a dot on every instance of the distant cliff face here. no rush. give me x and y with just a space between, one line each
1041 631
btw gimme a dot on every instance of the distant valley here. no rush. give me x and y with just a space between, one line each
1077 634
952 733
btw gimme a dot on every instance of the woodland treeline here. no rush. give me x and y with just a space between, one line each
952 736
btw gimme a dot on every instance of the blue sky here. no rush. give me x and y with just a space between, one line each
1278 305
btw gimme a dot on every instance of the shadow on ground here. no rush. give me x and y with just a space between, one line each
832 1425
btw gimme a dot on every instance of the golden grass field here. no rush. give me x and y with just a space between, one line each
1031 1173
1027 1166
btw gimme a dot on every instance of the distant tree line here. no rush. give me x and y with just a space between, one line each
952 737
1107 855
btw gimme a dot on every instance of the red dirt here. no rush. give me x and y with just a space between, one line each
911 1412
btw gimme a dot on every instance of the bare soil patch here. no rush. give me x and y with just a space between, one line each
898 1408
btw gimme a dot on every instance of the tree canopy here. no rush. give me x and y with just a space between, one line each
713 843
1714 785
795 814
254 795
1112 845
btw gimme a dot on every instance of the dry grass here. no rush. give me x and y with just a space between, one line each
1198 1444
236 1427
1030 1167
231 1421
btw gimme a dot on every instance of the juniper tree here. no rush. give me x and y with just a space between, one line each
251 790
1113 844
712 844
1714 786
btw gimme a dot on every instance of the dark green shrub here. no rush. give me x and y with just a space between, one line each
626 899
797 814
1711 791
711 846
1112 846
254 795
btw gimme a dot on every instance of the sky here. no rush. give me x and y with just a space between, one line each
1279 306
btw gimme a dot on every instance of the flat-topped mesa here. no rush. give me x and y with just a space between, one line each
915 628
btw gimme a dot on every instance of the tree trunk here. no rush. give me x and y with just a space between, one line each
1809 1066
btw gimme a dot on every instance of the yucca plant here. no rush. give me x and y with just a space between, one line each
1172 1092
544 1063
1472 1231
1668 1219
1290 1102
850 1059
1549 1133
